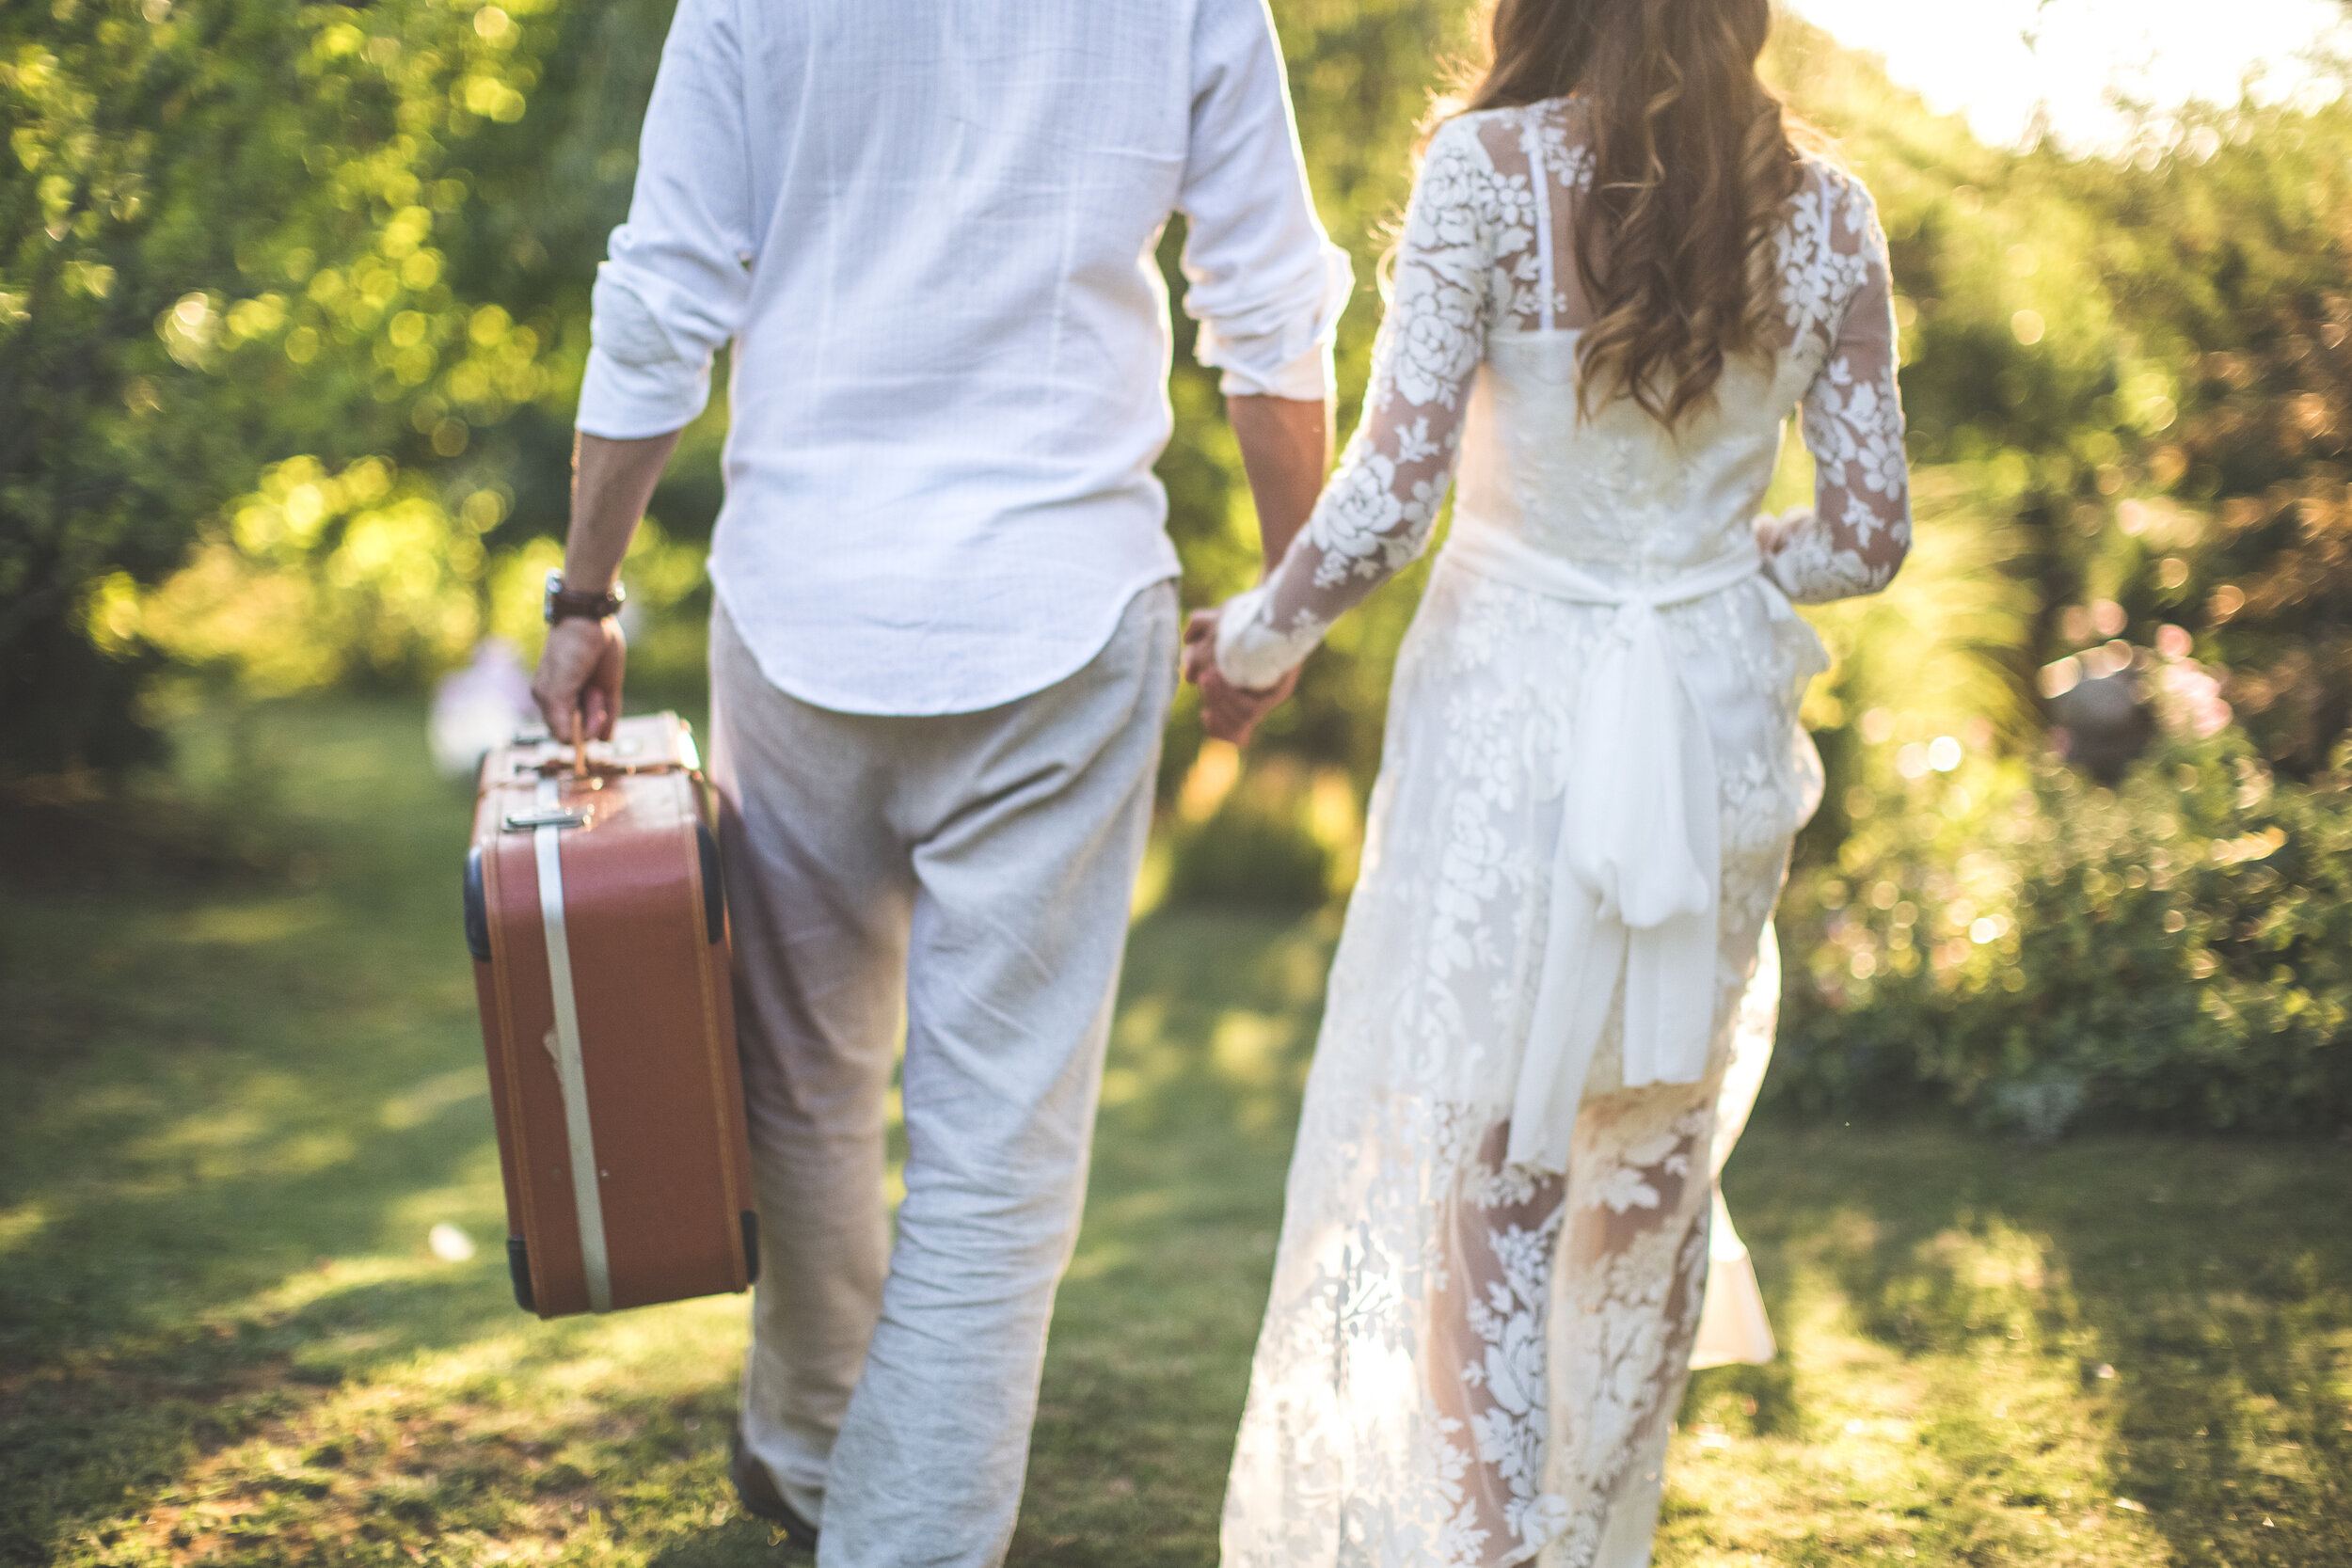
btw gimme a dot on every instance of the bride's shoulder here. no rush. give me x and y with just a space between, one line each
1467 163
1830 240
1831 188
1473 135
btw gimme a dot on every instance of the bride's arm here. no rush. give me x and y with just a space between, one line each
1856 533
1375 513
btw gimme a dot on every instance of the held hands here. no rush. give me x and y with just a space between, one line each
1228 712
580 678
1775 530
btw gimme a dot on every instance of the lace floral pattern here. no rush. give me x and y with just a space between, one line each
1851 539
1468 1363
1487 1364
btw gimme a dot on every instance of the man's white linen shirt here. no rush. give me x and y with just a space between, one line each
928 226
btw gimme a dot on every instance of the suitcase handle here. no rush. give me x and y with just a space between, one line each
549 757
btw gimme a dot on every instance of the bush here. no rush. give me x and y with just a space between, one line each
1275 835
2034 948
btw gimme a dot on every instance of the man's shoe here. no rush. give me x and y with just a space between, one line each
756 1490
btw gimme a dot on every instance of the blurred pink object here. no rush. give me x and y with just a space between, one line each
2189 698
480 706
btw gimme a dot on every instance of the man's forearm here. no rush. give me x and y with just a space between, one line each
1285 449
579 684
612 481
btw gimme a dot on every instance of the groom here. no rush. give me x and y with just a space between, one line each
943 640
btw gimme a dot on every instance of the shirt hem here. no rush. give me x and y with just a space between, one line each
817 693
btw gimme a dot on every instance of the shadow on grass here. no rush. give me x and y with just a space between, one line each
231 1109
2179 1307
223 1107
1150 1355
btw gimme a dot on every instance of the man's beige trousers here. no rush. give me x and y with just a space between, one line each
970 874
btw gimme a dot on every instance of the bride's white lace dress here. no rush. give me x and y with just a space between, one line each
1556 988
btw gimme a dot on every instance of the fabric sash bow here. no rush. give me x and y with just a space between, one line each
1637 875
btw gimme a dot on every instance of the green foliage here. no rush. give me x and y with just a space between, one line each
2144 361
2036 948
2232 254
1258 847
249 231
2125 380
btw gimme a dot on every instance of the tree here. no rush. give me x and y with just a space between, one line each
2232 251
231 226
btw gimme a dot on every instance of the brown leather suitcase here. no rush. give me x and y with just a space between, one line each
598 928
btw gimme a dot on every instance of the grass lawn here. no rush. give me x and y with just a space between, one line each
231 1112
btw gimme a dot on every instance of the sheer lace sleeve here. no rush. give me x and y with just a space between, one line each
1377 509
1856 533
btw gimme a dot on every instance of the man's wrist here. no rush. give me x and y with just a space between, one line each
563 603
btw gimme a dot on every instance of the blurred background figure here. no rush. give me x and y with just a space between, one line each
2107 704
479 706
2094 700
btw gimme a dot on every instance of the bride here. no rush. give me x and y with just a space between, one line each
1555 992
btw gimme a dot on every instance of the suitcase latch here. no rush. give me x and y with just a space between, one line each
546 816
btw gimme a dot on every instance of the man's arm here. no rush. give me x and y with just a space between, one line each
1268 287
674 289
581 669
1285 449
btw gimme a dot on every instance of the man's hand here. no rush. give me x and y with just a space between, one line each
1775 530
580 678
1285 447
1228 712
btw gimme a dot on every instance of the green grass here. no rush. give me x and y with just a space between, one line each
231 1110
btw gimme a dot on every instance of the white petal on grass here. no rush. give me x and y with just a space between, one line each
448 1244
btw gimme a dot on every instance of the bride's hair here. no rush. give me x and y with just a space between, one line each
1692 170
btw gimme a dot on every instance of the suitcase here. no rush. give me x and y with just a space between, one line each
598 924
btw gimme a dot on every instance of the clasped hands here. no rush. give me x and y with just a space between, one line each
1228 712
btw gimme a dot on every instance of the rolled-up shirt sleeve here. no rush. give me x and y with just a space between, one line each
677 278
1264 282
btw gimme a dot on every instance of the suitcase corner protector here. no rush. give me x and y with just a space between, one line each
518 1270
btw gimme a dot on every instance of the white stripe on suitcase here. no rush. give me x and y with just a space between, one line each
587 1191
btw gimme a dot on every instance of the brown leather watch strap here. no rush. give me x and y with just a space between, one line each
579 604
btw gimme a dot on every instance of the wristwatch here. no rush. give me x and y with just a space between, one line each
567 603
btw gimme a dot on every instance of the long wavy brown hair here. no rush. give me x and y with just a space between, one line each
1694 168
